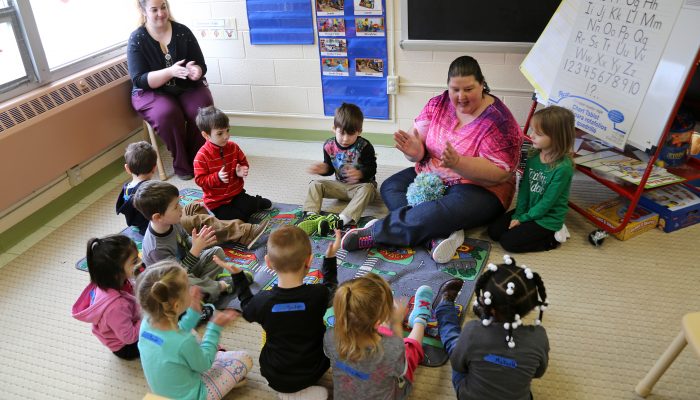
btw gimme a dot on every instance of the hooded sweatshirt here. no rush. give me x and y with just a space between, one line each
115 315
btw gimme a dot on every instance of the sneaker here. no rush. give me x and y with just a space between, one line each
256 230
356 239
448 292
310 223
234 282
207 313
444 249
328 223
370 223
562 234
185 177
263 203
421 306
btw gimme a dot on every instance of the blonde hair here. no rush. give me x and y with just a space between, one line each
141 6
360 304
288 249
558 123
159 287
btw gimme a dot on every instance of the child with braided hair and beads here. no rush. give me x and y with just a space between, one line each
497 356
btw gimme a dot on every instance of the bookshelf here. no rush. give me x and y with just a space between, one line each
688 171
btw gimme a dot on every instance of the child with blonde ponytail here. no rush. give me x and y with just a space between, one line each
366 347
176 365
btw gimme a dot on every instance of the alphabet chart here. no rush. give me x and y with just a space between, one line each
610 57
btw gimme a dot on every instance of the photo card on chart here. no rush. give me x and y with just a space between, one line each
334 47
369 26
369 67
331 26
368 7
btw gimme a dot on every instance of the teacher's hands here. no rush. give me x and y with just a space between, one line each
450 157
177 70
409 144
194 71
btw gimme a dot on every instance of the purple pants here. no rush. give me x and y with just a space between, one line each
173 119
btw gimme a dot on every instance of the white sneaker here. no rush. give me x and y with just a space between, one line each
562 234
444 249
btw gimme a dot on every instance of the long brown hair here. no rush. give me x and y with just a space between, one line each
558 123
360 304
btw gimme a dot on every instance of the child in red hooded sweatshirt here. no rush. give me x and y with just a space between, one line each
108 302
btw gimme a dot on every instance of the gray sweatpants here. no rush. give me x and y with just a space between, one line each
205 272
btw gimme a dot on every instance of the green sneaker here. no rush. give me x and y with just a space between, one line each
328 223
310 223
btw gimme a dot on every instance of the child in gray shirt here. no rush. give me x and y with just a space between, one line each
490 358
369 356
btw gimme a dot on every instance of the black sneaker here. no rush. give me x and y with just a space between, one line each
263 203
207 313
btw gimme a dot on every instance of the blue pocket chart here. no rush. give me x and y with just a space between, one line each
280 21
353 56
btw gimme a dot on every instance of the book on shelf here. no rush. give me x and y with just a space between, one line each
620 168
674 198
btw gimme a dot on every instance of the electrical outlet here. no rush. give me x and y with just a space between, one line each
74 176
392 84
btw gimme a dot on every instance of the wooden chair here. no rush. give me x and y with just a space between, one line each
690 334
151 137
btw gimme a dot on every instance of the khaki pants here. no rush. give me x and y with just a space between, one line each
195 216
358 195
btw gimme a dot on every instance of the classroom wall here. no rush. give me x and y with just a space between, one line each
280 85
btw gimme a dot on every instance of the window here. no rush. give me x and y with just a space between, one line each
10 58
45 40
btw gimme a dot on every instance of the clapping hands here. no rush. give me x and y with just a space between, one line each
352 174
194 71
201 240
409 144
318 169
190 70
242 171
333 246
450 157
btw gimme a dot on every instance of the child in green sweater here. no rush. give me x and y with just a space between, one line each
537 222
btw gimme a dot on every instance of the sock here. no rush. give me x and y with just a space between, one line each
346 219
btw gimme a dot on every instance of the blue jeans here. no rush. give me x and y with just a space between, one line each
449 330
464 206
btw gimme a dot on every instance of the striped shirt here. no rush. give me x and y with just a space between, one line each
207 164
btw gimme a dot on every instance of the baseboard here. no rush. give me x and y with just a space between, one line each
304 135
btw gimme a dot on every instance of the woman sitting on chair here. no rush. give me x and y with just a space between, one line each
167 69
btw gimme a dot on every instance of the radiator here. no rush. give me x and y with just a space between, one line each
46 135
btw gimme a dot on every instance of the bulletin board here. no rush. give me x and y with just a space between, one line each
352 45
280 21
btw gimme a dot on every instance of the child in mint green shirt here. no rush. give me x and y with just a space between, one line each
537 222
176 365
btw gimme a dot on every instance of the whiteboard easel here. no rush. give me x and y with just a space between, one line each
678 56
